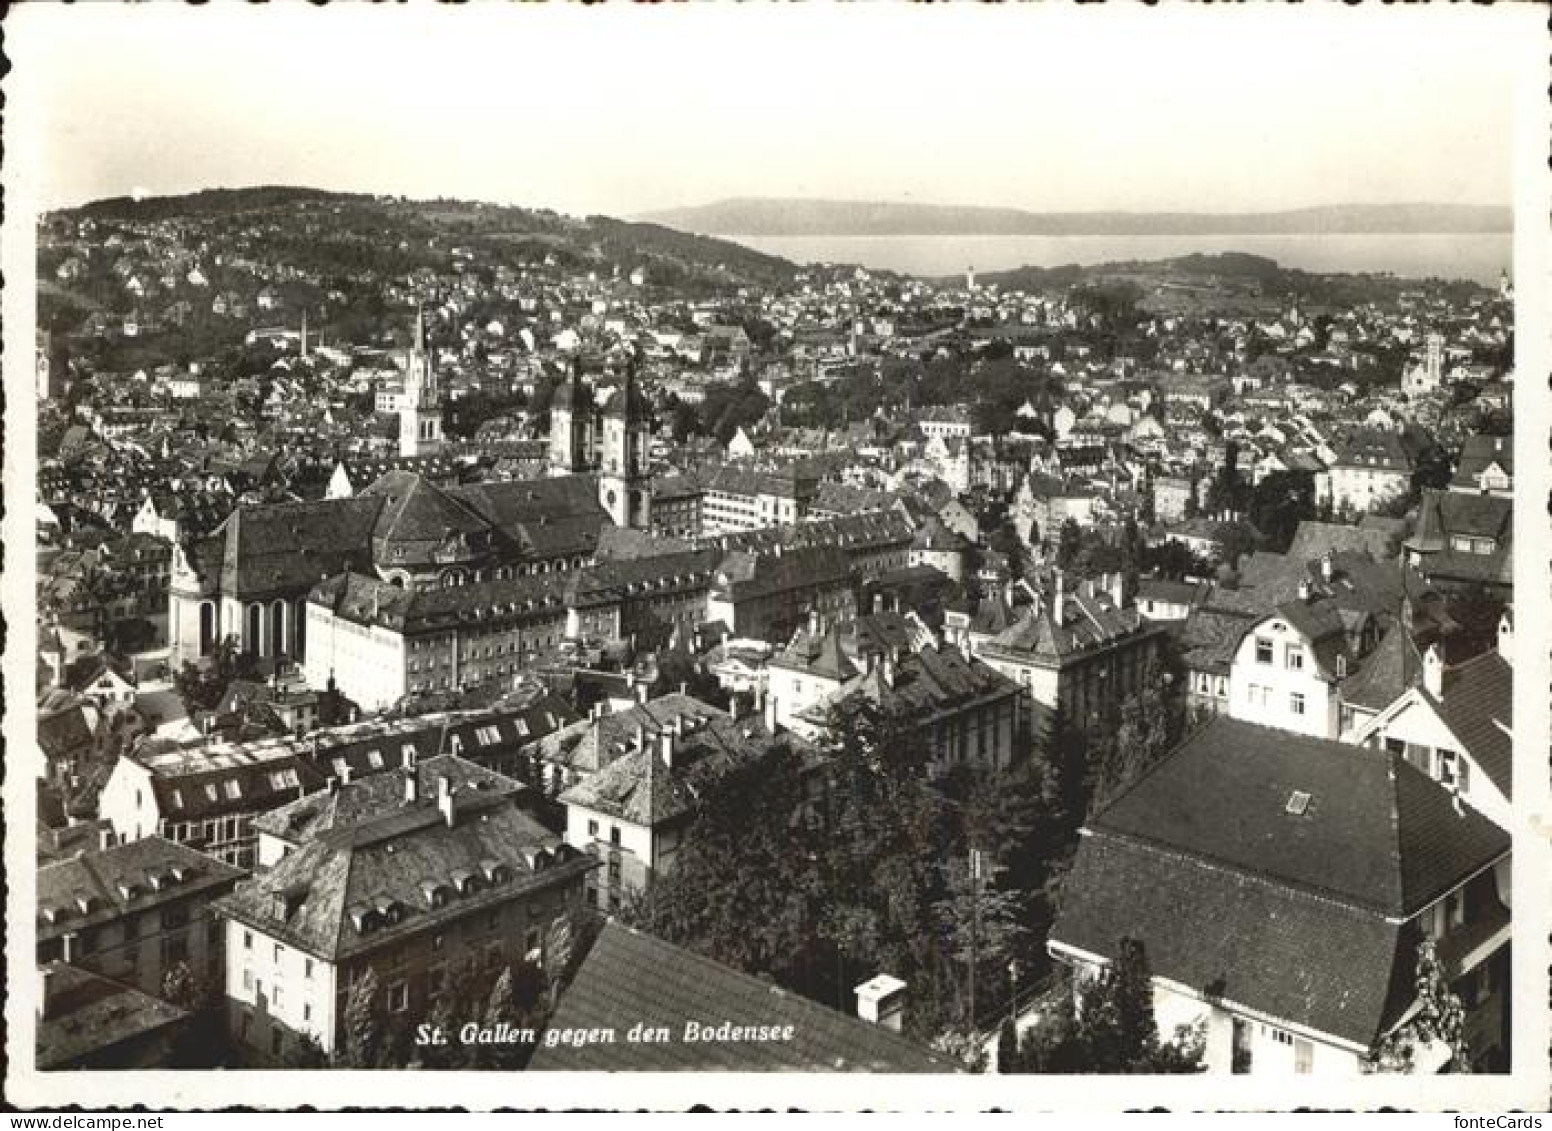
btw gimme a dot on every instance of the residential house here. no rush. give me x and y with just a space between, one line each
1283 908
134 911
424 884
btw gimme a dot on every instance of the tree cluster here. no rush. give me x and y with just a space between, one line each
820 876
1106 1026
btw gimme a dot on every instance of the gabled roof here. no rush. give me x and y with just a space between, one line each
1478 707
1387 672
1298 913
629 977
816 654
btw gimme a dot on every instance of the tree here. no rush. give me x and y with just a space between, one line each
1069 542
445 1019
1278 504
501 1012
1111 1027
363 1024
305 1052
1147 726
741 889
1440 1018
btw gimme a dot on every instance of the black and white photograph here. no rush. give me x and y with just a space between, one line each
704 543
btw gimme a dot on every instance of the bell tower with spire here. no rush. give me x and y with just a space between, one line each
420 414
571 425
623 481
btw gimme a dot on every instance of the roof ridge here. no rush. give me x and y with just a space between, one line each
1393 871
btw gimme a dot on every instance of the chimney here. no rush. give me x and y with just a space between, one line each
1118 589
641 736
1433 672
667 738
1325 565
641 692
889 668
881 1000
334 784
410 755
445 801
67 947
1059 601
768 710
1506 636
346 774
48 998
105 838
1304 589
411 784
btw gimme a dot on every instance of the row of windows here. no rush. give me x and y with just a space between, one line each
1261 696
1293 654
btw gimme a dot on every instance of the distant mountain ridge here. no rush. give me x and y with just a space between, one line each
773 216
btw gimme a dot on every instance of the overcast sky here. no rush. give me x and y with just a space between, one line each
623 110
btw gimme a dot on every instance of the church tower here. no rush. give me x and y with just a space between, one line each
571 425
420 413
623 482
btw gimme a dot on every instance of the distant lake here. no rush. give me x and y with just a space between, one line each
1475 256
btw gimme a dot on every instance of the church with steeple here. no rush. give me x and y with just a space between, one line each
611 443
420 412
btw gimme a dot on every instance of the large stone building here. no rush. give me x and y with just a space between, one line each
429 876
134 911
1077 651
376 642
739 498
249 579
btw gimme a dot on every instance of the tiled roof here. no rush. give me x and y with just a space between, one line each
629 977
816 654
1442 514
122 880
1316 538
591 744
1387 672
639 786
927 684
1479 453
1208 639
1234 936
395 873
746 576
1377 834
379 794
1291 914
88 1015
1478 707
